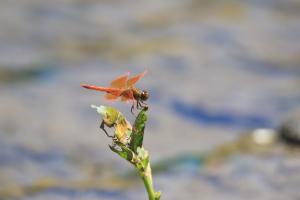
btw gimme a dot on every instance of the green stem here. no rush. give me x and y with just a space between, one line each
146 175
147 179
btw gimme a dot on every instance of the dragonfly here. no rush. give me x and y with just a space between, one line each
124 87
111 117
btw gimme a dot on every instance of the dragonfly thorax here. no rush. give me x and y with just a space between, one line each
140 95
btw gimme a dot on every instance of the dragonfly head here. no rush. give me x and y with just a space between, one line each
144 95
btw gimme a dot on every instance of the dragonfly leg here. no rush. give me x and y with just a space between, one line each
132 107
142 104
138 105
103 128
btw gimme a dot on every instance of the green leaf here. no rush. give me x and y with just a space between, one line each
124 151
137 135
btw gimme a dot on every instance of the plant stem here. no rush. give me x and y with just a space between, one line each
147 179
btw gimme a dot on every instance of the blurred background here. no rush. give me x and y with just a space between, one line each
224 79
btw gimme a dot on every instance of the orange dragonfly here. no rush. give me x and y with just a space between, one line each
124 88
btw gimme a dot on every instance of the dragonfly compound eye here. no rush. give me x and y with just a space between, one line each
144 95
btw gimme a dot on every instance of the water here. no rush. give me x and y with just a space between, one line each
215 69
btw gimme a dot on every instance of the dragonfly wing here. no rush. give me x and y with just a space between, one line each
110 96
120 82
127 96
125 99
135 79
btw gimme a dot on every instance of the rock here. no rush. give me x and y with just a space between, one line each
289 131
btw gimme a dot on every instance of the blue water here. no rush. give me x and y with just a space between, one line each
13 154
45 74
266 67
204 116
